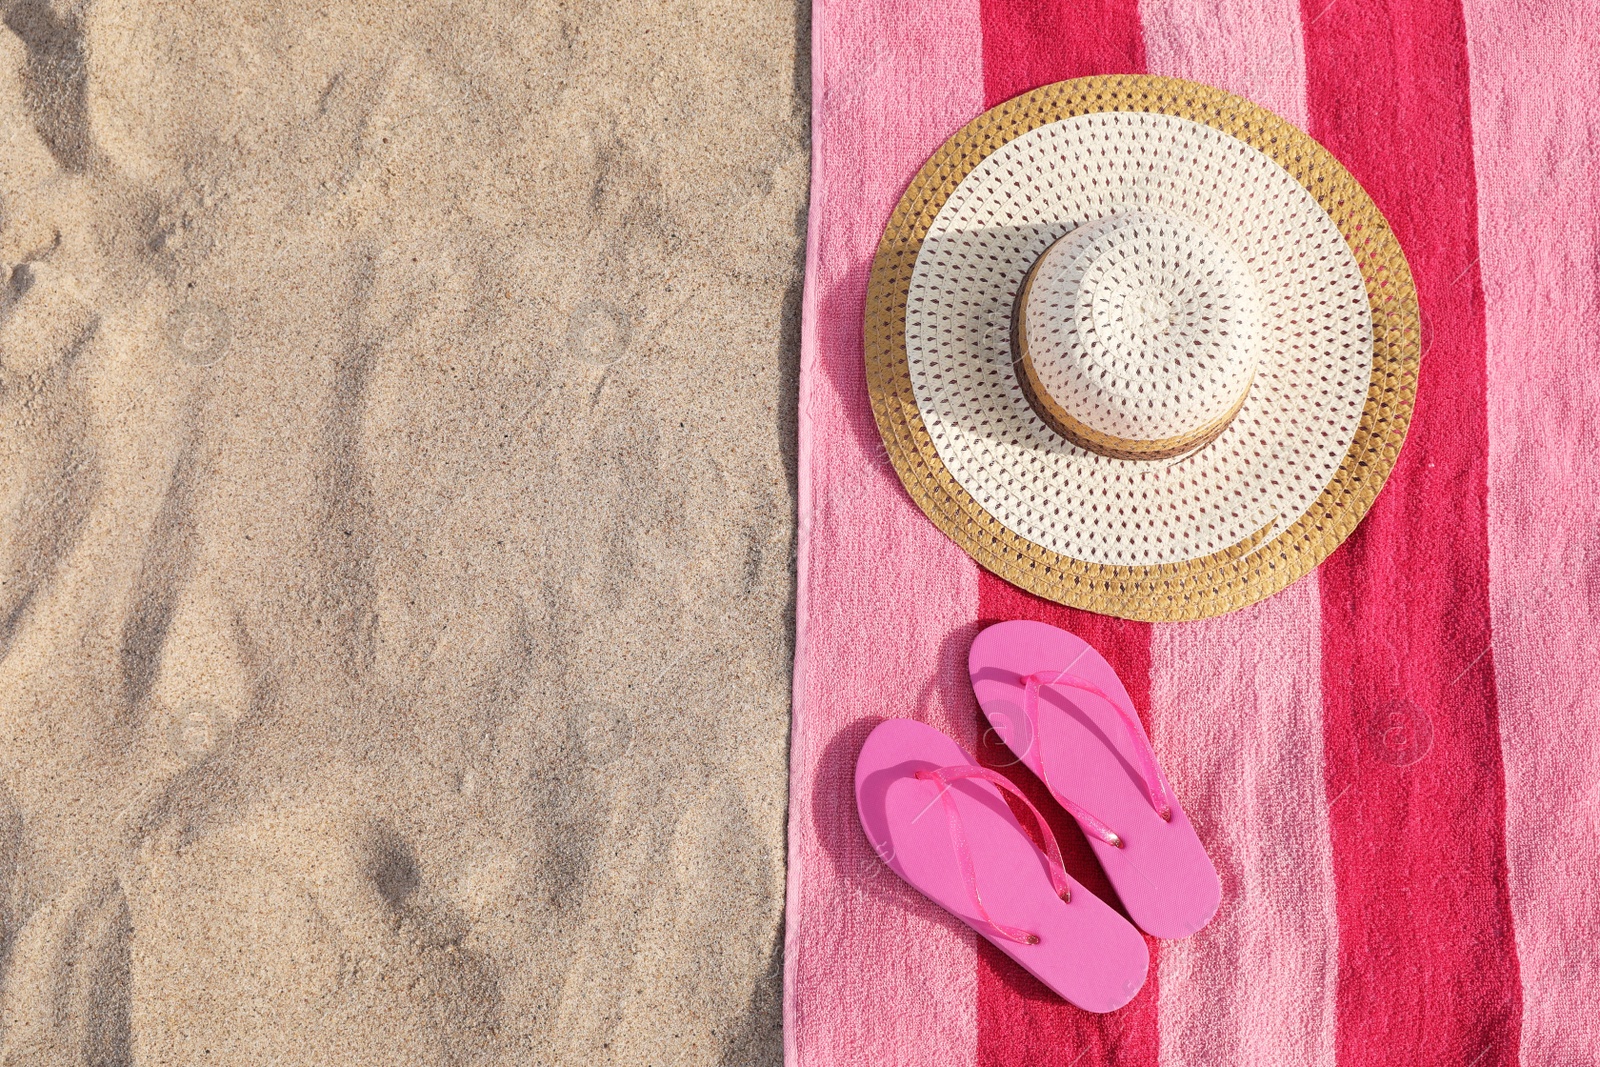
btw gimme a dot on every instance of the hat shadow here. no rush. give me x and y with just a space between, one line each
848 299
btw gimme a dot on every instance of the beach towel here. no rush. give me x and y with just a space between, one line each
1395 763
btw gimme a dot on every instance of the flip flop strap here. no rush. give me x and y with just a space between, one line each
943 776
1155 785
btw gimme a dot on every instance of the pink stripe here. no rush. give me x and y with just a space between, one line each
1249 47
1535 129
1237 700
1237 711
886 605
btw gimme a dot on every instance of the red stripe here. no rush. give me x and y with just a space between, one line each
1026 44
1029 43
1020 1023
1427 960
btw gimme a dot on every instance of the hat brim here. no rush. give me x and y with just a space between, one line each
1197 588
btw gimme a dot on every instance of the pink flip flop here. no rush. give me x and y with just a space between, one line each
1064 713
941 823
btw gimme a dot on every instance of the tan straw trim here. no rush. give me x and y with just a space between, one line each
1193 589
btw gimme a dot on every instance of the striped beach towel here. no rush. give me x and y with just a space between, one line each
1395 763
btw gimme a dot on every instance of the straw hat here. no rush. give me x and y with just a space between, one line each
1140 346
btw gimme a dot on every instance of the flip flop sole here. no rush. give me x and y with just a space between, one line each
1162 874
1087 953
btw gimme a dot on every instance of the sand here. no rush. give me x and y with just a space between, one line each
396 530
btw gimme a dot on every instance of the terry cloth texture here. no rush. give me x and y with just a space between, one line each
1394 763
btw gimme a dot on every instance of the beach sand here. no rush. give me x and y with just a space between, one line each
396 530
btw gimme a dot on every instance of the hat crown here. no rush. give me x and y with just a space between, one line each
1137 335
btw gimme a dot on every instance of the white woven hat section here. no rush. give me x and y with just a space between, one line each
1143 326
1314 355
